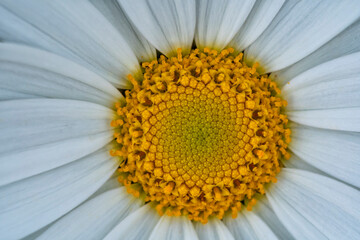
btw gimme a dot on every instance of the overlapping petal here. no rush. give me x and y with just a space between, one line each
312 206
330 85
137 226
73 29
264 211
31 73
213 229
41 134
345 119
261 15
217 22
333 152
300 28
110 184
27 206
174 228
298 163
249 226
346 43
94 218
116 16
167 25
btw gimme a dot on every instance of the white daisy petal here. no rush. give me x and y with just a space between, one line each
79 28
263 209
36 234
137 226
16 29
300 28
338 155
110 184
217 22
347 119
214 229
30 204
94 218
6 94
114 14
345 43
249 226
298 163
312 206
174 228
307 230
334 84
41 134
261 15
23 70
324 92
167 25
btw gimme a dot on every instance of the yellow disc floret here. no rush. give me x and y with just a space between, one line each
200 134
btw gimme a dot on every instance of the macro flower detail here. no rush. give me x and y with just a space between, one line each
200 134
179 119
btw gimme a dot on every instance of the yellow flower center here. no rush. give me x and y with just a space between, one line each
200 134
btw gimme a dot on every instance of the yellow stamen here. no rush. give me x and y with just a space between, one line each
201 134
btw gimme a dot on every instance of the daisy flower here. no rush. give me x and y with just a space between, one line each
179 119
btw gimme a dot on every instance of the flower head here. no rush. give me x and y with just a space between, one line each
179 119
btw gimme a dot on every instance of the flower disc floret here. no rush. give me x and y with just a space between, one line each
200 134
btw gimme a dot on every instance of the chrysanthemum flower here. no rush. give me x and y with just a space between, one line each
179 119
